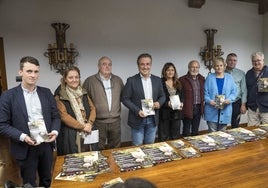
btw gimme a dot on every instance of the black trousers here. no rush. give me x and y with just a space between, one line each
235 115
169 129
39 159
191 126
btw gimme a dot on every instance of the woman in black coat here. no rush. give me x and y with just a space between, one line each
170 120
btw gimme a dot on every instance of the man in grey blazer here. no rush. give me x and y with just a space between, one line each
29 117
147 87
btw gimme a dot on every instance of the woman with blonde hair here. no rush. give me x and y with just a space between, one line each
220 92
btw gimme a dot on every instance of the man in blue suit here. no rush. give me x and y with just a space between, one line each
29 117
143 87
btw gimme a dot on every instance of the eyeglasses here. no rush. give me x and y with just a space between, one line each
256 60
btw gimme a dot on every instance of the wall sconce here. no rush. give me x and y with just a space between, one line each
210 52
60 56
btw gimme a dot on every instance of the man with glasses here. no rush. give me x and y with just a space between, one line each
257 98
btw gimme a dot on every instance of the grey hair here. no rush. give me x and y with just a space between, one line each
102 58
260 54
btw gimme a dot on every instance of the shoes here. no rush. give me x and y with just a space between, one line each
27 185
10 184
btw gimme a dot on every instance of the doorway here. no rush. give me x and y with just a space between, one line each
3 77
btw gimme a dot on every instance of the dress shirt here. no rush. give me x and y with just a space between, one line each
196 90
147 87
240 81
108 90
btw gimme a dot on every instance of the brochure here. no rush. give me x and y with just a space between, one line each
131 159
262 85
83 167
108 184
147 107
219 99
38 131
175 102
92 138
160 152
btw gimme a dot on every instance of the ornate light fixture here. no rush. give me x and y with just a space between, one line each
60 56
210 52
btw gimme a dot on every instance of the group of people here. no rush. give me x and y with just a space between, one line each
76 109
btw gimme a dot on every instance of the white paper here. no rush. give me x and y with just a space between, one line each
175 102
92 138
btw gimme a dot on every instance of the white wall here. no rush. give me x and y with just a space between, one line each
122 29
265 36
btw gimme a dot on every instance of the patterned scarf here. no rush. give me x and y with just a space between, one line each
75 97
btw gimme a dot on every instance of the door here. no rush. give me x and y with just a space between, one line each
3 78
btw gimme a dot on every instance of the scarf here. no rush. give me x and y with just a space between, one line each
75 97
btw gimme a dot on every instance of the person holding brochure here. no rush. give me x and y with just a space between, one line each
143 88
171 112
77 113
220 93
257 85
105 89
23 110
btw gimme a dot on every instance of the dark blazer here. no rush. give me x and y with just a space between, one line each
256 99
133 93
14 117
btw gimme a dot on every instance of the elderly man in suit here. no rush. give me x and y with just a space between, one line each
143 87
29 117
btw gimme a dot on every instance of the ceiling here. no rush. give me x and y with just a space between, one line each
262 4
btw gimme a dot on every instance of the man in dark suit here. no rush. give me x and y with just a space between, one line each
147 87
29 117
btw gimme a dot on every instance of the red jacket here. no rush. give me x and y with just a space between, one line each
188 94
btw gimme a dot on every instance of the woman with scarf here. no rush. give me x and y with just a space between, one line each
77 113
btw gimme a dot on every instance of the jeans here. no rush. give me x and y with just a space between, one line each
146 133
213 127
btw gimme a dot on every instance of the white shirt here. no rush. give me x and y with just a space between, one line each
147 87
108 90
34 109
33 105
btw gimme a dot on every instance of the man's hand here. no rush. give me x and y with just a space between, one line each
30 141
243 109
51 137
156 105
141 114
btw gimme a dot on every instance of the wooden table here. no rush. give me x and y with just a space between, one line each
244 165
